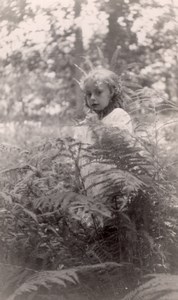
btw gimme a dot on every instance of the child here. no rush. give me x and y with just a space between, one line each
103 96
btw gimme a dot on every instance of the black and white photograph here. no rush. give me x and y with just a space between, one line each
88 149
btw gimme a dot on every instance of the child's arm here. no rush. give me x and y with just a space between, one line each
83 132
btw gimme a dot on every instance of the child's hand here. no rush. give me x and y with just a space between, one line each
92 117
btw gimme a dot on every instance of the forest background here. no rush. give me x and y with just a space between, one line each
43 41
45 48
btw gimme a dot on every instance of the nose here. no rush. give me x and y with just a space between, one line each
93 98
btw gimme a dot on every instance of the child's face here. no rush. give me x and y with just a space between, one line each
98 95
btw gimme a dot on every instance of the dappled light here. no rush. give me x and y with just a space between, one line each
88 149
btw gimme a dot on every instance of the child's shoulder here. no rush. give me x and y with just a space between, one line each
118 114
118 118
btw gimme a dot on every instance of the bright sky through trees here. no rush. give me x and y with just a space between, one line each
90 22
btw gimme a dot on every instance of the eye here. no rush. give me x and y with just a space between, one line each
88 94
98 92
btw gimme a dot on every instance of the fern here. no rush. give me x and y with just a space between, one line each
44 279
78 206
126 174
82 282
53 203
160 287
53 218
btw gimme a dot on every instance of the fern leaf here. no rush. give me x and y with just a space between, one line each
88 63
160 287
45 279
101 57
28 212
114 59
80 69
5 198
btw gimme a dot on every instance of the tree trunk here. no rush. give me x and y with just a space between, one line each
78 53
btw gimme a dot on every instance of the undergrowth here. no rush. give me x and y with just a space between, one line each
59 235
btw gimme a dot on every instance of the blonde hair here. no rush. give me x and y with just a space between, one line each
102 75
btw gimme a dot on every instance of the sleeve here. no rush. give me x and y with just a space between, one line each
119 118
83 134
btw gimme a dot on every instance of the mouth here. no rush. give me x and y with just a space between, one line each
95 106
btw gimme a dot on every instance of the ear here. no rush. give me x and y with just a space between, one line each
112 91
86 103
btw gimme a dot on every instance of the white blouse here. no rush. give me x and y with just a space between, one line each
117 118
92 172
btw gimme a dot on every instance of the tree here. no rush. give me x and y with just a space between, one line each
78 54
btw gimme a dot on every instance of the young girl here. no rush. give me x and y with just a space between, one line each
103 96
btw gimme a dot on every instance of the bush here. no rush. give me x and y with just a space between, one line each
48 221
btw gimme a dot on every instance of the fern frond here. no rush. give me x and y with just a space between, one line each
45 279
78 206
5 199
15 174
80 282
27 211
101 57
114 59
80 69
160 287
117 150
88 63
